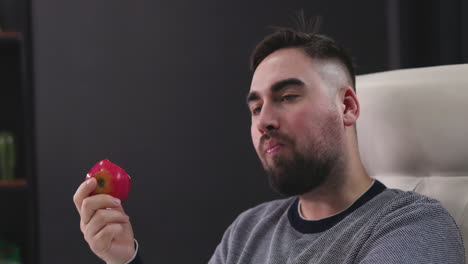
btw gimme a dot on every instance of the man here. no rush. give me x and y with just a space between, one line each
304 109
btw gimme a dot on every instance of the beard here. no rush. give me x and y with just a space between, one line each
300 172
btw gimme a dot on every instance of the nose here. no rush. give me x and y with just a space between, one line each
268 120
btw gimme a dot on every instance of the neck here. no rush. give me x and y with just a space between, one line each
338 192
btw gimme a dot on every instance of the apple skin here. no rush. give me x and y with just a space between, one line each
111 179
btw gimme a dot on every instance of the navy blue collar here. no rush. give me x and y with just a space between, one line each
310 227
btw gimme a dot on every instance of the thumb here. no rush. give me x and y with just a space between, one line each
83 191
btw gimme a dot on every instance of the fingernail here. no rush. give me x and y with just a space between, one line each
116 201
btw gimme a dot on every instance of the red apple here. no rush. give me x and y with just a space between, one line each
111 179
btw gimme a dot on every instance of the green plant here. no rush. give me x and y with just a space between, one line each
7 156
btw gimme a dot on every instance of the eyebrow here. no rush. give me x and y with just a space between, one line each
275 88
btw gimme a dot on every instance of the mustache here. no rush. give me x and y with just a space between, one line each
281 138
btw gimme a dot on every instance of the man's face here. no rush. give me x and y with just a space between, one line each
297 129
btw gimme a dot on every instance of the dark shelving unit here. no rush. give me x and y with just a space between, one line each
18 197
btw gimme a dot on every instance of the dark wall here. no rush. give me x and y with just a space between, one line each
427 32
158 87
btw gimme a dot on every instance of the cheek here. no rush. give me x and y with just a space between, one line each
300 124
255 134
308 128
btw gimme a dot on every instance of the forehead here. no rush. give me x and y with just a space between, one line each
284 64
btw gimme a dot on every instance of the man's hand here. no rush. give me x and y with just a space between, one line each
105 225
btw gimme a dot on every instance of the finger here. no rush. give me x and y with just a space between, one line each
104 217
102 241
83 191
83 225
95 202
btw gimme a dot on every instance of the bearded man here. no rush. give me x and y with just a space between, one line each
304 109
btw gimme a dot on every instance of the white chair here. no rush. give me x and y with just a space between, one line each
413 133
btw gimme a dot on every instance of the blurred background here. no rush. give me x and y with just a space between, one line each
159 87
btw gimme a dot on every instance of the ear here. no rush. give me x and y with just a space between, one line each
349 105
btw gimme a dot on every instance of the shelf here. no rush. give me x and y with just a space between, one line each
10 36
18 197
17 184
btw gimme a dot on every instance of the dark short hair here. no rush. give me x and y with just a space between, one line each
315 45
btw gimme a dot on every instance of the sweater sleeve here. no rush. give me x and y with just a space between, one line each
136 258
220 254
422 232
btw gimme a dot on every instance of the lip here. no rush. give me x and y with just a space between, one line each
272 148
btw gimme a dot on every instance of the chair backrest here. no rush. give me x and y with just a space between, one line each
413 133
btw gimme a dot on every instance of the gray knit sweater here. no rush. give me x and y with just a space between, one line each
382 226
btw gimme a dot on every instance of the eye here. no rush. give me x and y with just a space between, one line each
289 97
256 111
